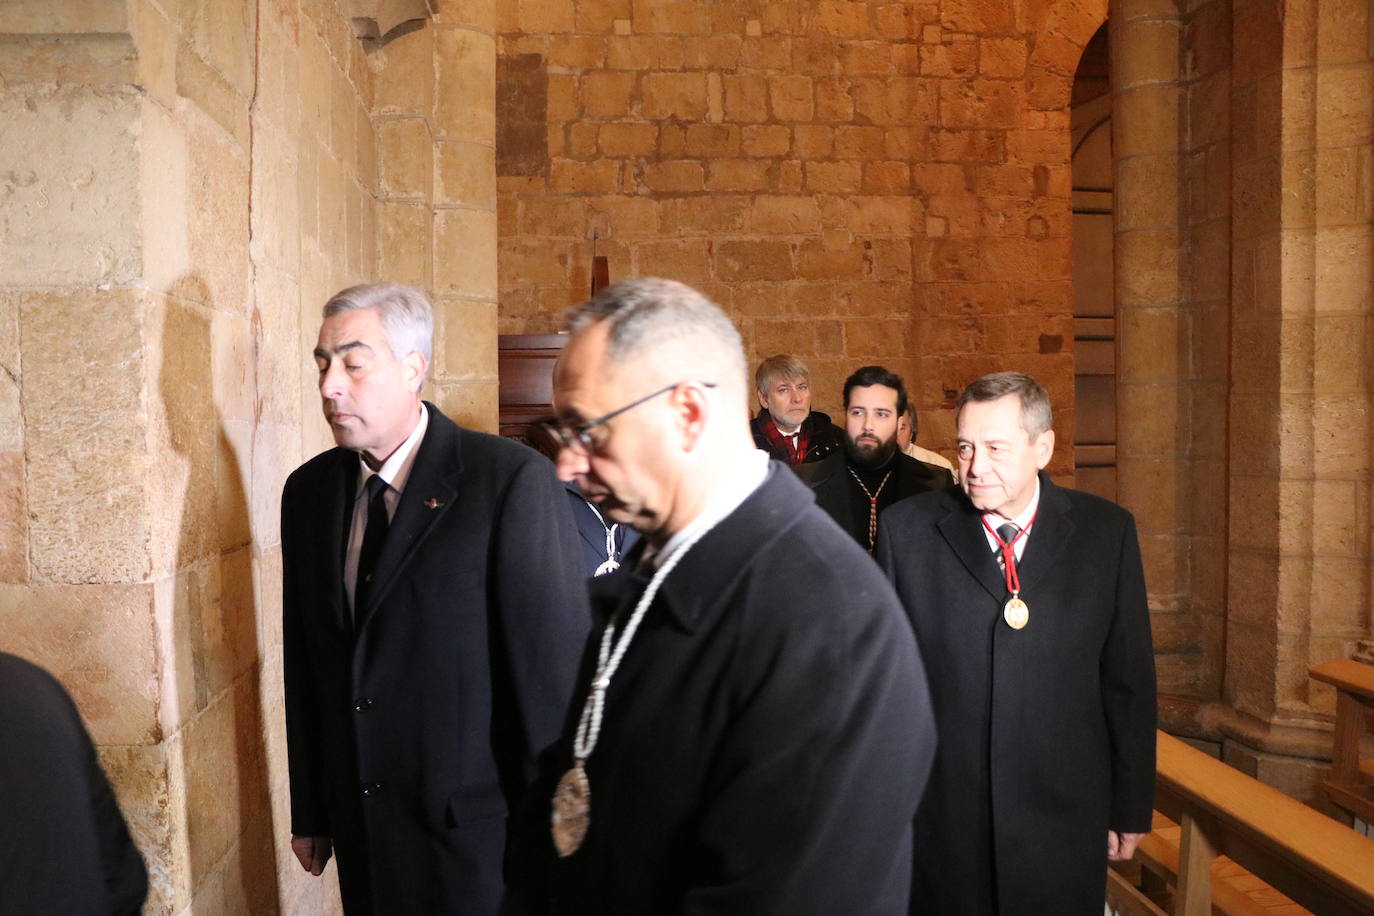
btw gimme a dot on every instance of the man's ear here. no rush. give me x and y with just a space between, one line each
414 366
763 400
691 409
1044 448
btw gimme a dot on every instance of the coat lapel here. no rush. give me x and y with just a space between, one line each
340 516
963 531
1048 537
430 493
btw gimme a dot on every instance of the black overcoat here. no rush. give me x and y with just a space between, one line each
64 846
1047 733
412 730
840 497
765 740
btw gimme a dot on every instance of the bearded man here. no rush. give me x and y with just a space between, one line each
855 485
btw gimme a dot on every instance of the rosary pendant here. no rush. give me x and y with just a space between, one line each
572 811
1015 613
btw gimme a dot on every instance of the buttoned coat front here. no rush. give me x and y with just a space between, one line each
1046 733
765 740
413 725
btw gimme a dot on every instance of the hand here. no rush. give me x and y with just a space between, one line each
312 852
1121 846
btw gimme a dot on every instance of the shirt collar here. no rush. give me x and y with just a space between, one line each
1023 520
396 468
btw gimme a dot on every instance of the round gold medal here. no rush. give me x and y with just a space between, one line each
572 811
1015 613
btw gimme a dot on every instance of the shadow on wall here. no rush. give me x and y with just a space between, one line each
215 659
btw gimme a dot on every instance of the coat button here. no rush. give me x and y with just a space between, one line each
371 789
363 705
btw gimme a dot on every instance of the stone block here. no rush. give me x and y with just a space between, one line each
753 260
897 21
866 57
1147 268
711 215
1002 58
709 141
674 95
819 261
150 786
767 53
59 17
737 175
715 52
746 97
678 17
572 177
688 260
465 91
979 104
871 215
954 59
466 174
468 350
99 641
608 94
541 16
465 253
626 216
841 18
854 142
790 177
674 175
1341 117
979 17
785 215
1342 280
406 158
877 338
403 230
1145 121
912 100
834 177
766 140
85 490
791 97
70 151
471 404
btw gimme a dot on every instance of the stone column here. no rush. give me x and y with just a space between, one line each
1152 330
1298 576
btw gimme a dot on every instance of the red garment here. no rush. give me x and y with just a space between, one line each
795 452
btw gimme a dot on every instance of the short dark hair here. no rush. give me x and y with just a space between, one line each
876 375
1035 400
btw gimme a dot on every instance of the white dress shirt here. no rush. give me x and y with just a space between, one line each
1022 521
394 471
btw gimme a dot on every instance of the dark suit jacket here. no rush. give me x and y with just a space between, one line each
64 847
765 740
591 532
1047 733
413 729
824 437
840 497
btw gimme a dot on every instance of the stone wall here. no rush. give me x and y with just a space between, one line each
184 185
854 182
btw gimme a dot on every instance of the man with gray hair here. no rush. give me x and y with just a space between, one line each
432 614
750 731
1028 601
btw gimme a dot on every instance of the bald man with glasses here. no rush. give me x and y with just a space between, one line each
750 731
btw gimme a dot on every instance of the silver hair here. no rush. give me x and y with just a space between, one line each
404 312
650 315
1035 400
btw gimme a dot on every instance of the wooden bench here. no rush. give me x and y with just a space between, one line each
1351 784
1238 839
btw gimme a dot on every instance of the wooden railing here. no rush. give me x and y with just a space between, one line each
1317 862
1351 784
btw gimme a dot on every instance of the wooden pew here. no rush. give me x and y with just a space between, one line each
1351 784
1317 862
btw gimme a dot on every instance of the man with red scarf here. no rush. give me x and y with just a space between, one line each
786 427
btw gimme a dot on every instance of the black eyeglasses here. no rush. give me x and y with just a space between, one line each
579 437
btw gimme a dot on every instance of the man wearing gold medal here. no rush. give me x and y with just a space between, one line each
750 730
1028 603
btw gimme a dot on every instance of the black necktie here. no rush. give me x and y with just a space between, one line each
373 538
1007 533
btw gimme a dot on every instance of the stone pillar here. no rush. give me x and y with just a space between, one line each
1152 330
1298 577
435 115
